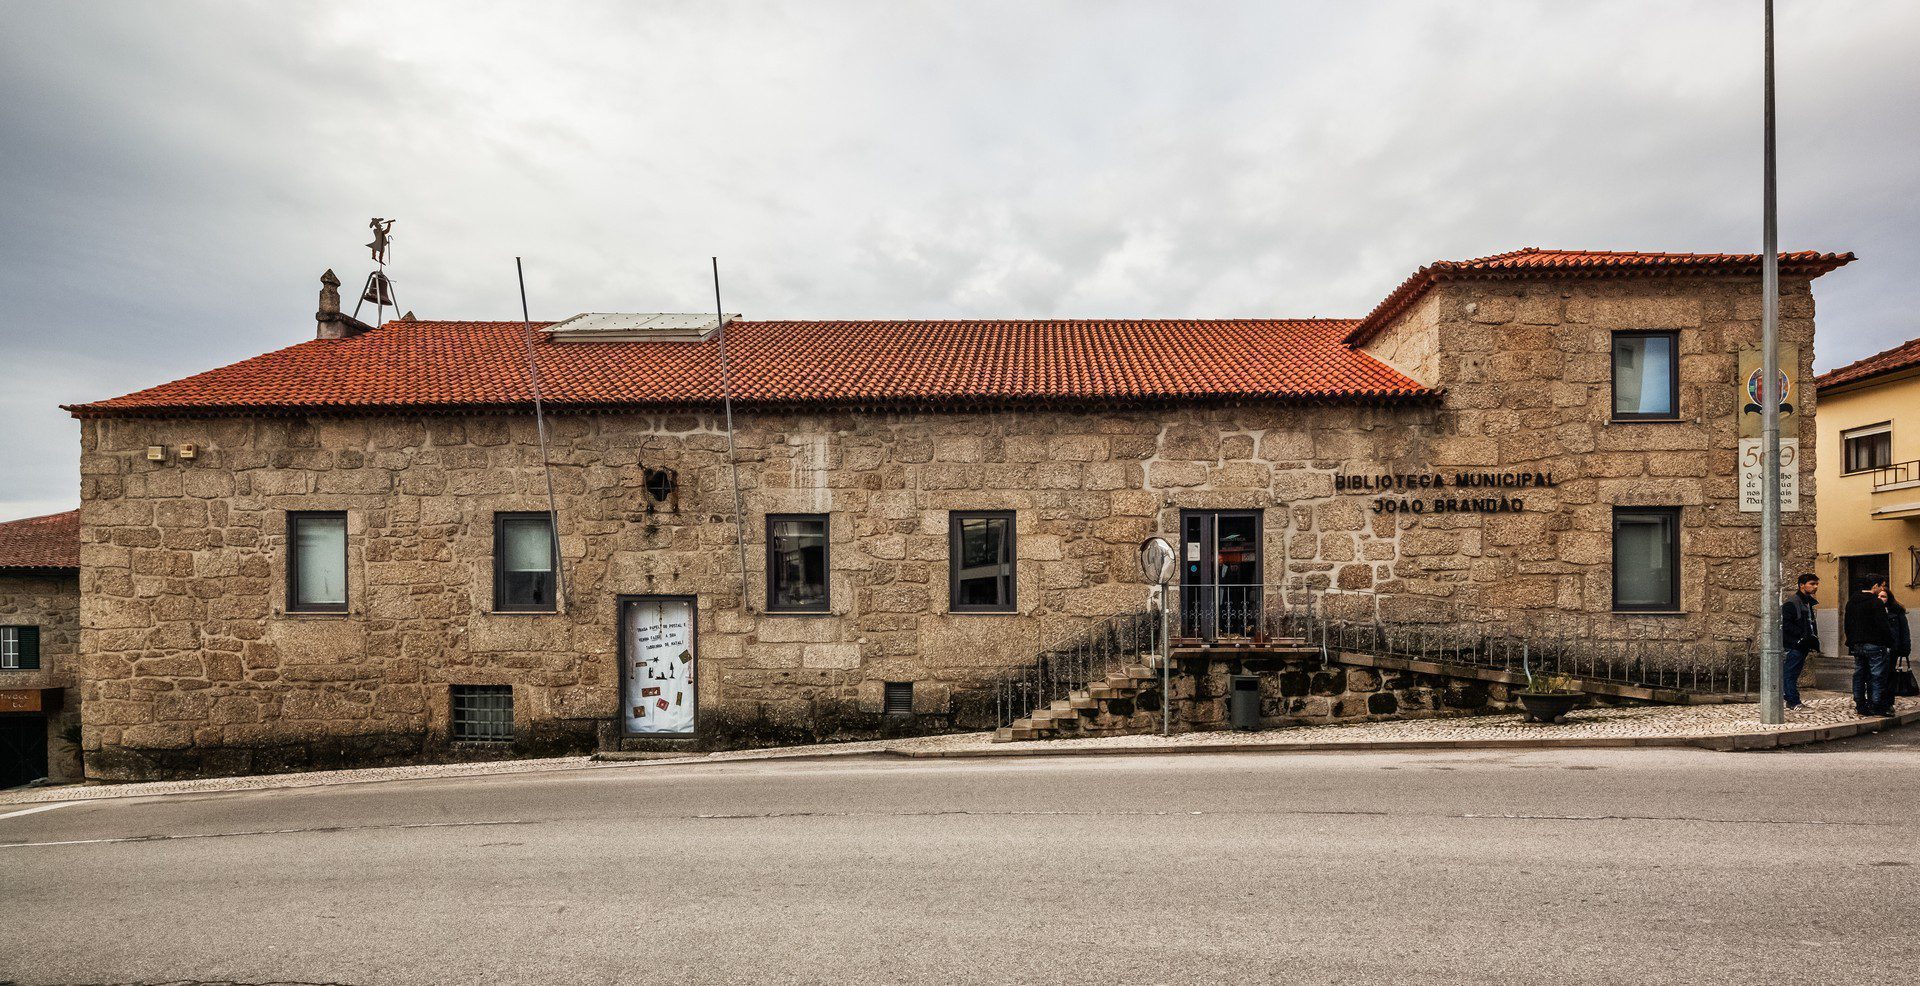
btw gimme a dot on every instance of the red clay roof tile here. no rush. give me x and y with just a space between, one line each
1905 356
1537 262
422 365
52 541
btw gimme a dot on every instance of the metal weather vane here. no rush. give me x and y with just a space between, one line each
382 232
379 287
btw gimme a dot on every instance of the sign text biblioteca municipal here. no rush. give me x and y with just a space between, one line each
1416 482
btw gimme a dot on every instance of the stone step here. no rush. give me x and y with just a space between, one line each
1086 704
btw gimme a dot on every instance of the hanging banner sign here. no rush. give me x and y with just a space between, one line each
1751 395
658 691
1753 472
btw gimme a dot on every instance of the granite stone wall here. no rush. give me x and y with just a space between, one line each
193 665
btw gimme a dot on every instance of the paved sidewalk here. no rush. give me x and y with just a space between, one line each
1827 716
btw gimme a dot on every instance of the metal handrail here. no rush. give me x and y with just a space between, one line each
1075 660
1896 474
1702 667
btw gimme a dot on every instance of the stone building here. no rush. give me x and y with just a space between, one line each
39 627
340 551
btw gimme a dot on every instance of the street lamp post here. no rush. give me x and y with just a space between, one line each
1771 711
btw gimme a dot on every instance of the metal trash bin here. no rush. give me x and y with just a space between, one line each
1243 701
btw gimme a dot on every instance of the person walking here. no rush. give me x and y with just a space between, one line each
1870 641
1798 636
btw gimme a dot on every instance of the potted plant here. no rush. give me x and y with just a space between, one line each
1547 697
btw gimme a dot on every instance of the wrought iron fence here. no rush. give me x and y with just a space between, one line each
1700 667
1080 658
1210 611
1459 638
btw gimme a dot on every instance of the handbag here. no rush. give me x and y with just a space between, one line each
1905 685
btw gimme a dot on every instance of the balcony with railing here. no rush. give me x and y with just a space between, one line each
1897 476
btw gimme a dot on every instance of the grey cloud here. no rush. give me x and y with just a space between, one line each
176 176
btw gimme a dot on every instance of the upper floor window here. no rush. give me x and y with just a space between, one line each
981 562
797 563
1867 449
1646 558
19 648
1646 376
524 560
317 562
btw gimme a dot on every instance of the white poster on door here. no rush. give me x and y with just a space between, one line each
660 664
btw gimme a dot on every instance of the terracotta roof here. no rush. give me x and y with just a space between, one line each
52 541
1905 356
421 365
1534 262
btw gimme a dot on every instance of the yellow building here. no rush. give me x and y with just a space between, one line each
1868 477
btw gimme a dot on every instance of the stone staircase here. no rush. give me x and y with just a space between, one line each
1103 708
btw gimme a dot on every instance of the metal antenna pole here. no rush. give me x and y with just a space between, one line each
540 428
1771 711
733 460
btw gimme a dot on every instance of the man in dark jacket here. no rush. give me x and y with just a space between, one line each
1870 639
1798 636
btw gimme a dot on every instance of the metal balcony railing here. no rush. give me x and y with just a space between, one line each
1897 474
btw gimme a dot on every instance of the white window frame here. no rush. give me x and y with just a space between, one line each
1864 431
9 648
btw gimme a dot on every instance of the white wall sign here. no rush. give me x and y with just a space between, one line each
658 690
1752 492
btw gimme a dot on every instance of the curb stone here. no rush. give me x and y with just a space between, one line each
1726 742
1722 742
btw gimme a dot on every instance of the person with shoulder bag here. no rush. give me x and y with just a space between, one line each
1905 684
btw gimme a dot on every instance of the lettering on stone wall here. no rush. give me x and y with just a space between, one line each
1442 493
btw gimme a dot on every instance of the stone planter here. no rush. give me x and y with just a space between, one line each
1549 706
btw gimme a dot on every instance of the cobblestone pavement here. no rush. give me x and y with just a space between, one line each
1610 723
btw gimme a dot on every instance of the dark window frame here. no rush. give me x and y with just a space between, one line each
1885 429
455 693
1672 603
825 605
294 605
26 637
501 519
1673 376
954 519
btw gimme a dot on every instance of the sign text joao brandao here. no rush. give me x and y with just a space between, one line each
1505 483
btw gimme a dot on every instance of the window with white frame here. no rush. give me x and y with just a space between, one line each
1866 449
19 648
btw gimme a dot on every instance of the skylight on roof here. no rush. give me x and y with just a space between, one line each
635 327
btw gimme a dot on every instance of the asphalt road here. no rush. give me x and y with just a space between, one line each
1597 866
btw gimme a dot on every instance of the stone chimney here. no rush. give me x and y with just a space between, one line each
332 323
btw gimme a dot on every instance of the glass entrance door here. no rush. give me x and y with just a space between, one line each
1220 584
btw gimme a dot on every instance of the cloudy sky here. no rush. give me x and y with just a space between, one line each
175 176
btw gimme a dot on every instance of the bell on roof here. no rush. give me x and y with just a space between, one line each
379 290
